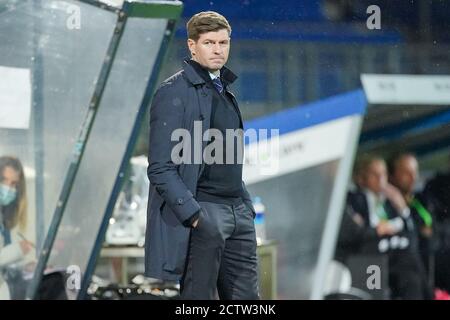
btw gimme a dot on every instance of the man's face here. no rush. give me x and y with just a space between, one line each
375 177
405 174
211 49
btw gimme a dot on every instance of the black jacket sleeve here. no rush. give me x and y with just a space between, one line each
166 116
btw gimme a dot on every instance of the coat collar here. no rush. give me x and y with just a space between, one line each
195 78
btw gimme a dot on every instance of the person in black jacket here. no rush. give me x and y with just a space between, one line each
437 189
403 174
200 228
376 222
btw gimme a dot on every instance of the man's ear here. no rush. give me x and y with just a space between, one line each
191 46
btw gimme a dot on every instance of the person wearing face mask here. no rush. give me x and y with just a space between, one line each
13 214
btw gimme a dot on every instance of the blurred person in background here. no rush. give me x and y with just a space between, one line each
13 213
403 174
437 189
376 221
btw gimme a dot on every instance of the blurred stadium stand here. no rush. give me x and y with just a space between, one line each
291 52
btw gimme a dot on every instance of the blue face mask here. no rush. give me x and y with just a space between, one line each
7 195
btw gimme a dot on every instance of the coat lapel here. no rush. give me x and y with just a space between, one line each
204 96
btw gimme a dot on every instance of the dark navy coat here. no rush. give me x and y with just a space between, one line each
178 102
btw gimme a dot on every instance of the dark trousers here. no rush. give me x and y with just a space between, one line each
407 277
222 261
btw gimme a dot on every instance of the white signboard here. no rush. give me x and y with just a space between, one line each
406 89
297 150
15 98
